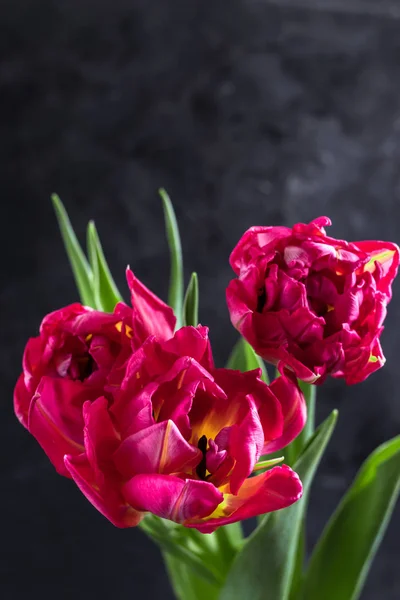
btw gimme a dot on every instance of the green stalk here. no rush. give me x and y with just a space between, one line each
175 294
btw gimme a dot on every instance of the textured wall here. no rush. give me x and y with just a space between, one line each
248 113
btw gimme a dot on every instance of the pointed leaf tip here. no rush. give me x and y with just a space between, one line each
175 295
105 291
80 267
191 302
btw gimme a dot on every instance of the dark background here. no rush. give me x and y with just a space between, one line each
247 113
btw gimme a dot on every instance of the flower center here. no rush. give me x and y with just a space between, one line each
82 367
261 300
202 466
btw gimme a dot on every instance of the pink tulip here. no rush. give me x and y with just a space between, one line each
311 302
181 439
70 362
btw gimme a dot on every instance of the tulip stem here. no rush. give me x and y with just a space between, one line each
310 394
171 539
294 450
185 583
227 548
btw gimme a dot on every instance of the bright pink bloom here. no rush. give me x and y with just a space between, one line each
70 361
180 439
312 302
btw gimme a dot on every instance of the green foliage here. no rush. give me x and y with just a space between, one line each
243 358
342 557
267 562
191 302
80 267
105 291
93 279
175 295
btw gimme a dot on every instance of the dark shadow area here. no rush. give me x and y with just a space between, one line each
247 113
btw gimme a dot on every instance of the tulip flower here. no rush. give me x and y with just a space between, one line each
70 361
182 440
312 302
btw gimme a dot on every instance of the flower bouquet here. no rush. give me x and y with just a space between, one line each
126 401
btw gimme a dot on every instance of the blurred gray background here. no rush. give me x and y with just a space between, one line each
247 112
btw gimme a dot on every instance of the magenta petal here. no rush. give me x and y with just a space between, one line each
34 359
293 294
133 411
82 320
387 255
241 305
275 489
370 359
153 315
178 386
171 497
294 411
269 411
55 418
245 446
101 437
157 449
253 239
104 495
193 342
214 456
302 325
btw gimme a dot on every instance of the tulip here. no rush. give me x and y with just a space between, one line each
182 440
311 302
69 363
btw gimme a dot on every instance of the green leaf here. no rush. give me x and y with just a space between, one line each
265 565
295 448
298 568
342 557
186 584
191 302
175 295
267 463
233 532
292 452
178 543
80 267
105 291
243 358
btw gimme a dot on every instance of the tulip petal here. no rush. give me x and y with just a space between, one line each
151 314
272 490
55 418
78 320
294 412
176 389
193 342
256 237
171 497
249 384
33 356
133 412
157 449
387 255
242 296
245 446
362 362
101 437
104 495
